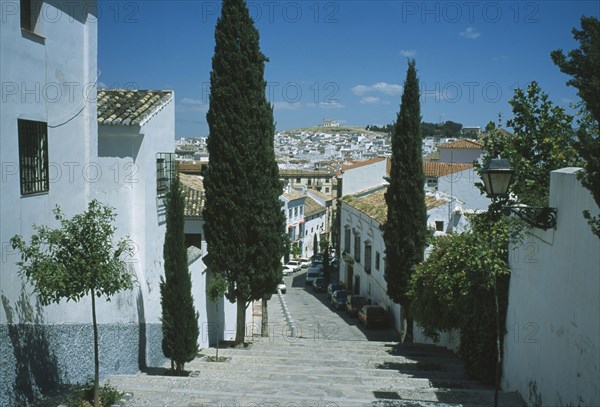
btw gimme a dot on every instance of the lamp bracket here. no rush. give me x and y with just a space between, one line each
538 217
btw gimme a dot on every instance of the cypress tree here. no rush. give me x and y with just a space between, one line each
179 318
405 229
315 245
244 224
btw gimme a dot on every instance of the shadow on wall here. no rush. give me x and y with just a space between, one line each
36 366
142 364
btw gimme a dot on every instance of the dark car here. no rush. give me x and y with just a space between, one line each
371 315
338 299
319 285
354 303
333 287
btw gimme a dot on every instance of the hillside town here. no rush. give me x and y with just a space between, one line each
327 325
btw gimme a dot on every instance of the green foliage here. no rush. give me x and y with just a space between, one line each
439 130
76 260
68 263
454 289
83 395
179 318
324 244
405 229
315 244
583 66
542 142
244 225
217 288
295 251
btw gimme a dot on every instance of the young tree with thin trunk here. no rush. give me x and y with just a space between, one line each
179 318
77 260
406 226
244 224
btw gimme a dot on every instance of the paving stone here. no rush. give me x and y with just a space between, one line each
336 363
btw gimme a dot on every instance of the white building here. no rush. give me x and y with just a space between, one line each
293 208
315 221
460 151
362 261
53 153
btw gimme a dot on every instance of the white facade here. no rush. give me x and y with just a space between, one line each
361 232
461 184
362 176
49 77
552 344
315 224
293 208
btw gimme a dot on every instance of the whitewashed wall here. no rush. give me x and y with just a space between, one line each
459 155
552 347
362 178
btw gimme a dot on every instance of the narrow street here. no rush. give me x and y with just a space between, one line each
333 362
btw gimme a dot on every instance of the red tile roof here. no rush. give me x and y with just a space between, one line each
439 169
358 164
463 143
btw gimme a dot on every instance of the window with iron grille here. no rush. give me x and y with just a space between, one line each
165 171
357 246
30 12
347 239
368 251
33 156
377 260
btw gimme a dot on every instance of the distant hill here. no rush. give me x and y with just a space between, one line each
335 130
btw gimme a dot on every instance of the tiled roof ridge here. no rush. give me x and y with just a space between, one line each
124 107
463 143
358 164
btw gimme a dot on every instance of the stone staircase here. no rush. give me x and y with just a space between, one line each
326 373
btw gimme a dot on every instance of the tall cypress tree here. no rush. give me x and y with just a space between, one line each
179 318
244 224
405 229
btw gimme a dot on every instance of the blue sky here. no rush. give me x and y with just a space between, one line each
347 60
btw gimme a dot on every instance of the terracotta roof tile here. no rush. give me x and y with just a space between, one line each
463 143
439 169
130 107
358 164
193 195
372 203
312 207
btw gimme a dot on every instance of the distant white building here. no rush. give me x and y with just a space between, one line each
460 151
331 123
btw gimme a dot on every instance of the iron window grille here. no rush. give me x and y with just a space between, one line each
33 157
357 246
165 171
368 250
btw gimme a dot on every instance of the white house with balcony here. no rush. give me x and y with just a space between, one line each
59 146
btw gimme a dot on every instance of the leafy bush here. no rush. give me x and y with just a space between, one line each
454 289
83 395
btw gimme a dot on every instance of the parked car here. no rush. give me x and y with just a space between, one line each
338 299
371 315
286 270
294 265
281 286
319 285
304 263
317 257
316 263
311 275
333 287
354 303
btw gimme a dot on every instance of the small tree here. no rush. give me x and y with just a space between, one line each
179 318
326 266
315 245
77 260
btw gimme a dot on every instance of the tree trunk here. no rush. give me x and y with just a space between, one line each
264 329
96 358
240 331
406 325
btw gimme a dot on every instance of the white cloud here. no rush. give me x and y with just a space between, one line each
409 53
370 100
192 102
470 33
326 105
286 106
381 87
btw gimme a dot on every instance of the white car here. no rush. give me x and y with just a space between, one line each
282 287
311 275
294 265
286 270
305 263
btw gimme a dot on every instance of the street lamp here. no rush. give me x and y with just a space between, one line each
497 176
